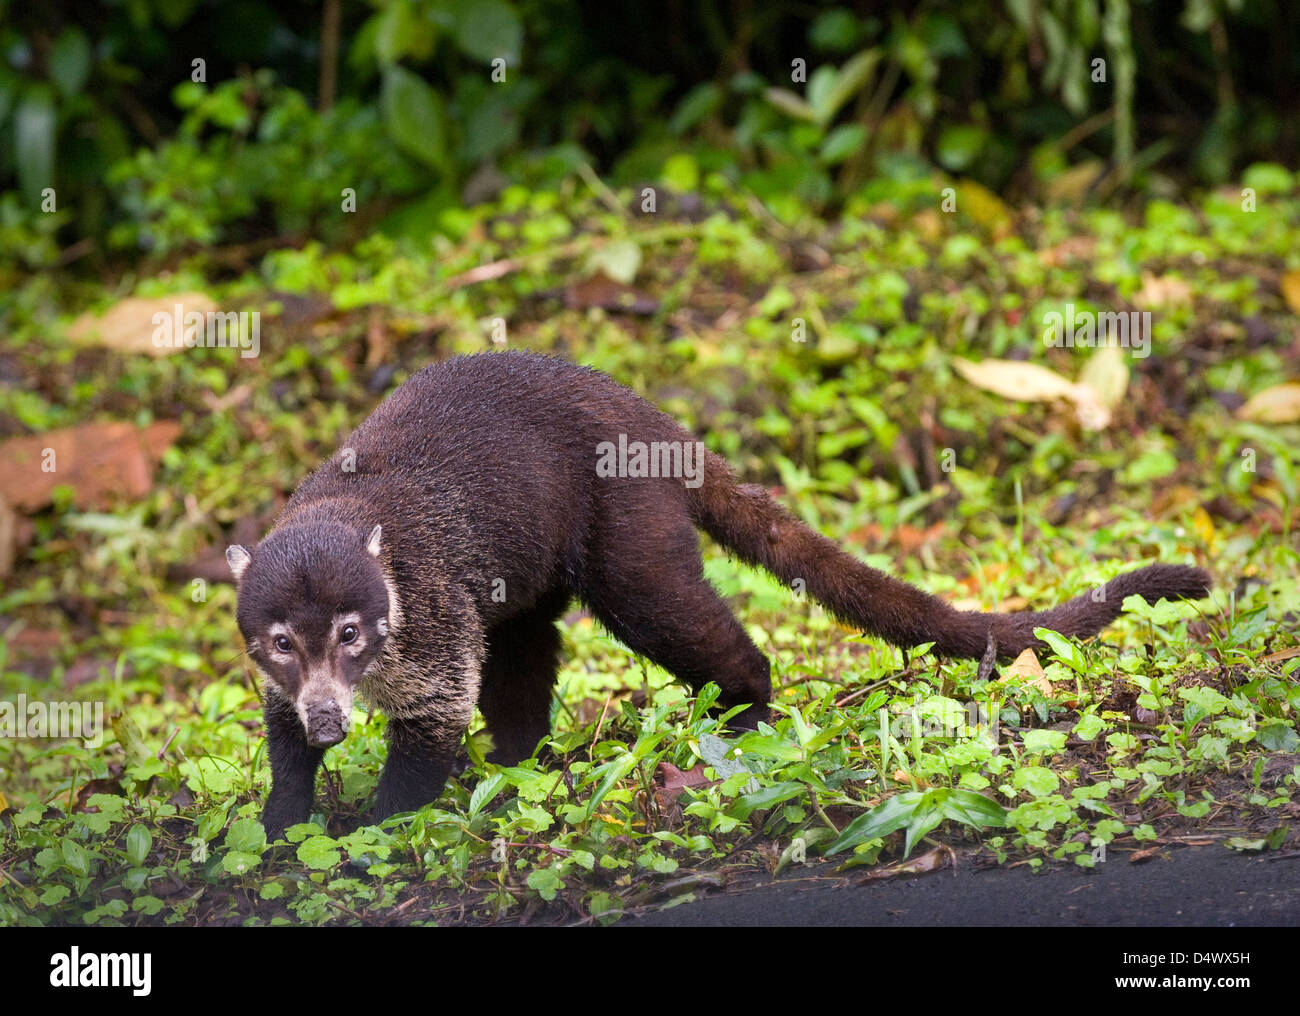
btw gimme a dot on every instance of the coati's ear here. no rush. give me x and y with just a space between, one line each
372 541
238 558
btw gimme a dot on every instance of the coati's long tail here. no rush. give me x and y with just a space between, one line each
747 521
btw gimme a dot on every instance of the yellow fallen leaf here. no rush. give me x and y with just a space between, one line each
1204 526
1012 379
1028 382
985 207
1279 404
1290 283
1162 291
128 326
1026 666
1107 374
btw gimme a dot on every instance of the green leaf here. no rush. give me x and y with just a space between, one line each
970 808
885 818
1278 735
546 881
842 142
239 862
613 772
1038 780
484 792
34 142
1066 651
767 797
790 104
69 61
959 145
619 259
75 857
319 852
415 117
701 101
138 842
850 80
1089 726
770 746
924 819
247 835
1042 742
488 29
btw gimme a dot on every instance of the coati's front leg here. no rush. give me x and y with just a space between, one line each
293 766
421 755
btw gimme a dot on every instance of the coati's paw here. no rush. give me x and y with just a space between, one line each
750 718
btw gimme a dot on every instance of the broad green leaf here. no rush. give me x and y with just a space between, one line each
415 117
489 29
69 61
246 835
138 842
885 818
1040 742
319 853
766 797
1089 726
1278 735
855 73
1038 780
618 259
34 142
484 792
239 862
970 808
842 142
924 819
75 857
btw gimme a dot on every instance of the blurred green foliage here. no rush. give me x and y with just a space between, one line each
235 122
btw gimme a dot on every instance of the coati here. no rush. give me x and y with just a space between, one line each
425 565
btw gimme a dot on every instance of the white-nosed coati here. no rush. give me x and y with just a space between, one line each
425 565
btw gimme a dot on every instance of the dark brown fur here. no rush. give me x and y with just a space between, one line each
481 472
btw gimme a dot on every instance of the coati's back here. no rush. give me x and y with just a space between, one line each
488 461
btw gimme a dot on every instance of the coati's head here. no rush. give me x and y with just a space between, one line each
314 610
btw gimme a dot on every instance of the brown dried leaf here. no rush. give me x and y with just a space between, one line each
100 461
935 859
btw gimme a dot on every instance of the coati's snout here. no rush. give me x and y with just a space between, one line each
325 723
315 613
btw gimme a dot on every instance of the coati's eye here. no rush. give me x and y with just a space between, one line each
348 634
283 644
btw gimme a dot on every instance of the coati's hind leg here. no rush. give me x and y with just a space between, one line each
654 598
523 655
